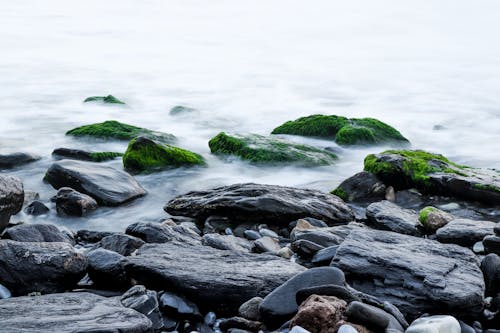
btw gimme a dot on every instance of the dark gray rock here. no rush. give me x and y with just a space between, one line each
305 248
363 186
121 243
8 161
36 208
465 232
497 229
326 290
216 224
324 256
492 244
70 313
267 244
423 275
144 301
179 307
372 317
257 203
40 267
226 242
252 234
250 309
109 186
386 215
73 203
107 269
37 233
491 271
312 221
91 236
280 305
219 279
11 198
162 233
322 237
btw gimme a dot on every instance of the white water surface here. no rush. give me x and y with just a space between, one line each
247 66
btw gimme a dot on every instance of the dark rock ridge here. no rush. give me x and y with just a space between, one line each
434 174
257 203
219 279
13 160
40 267
11 198
70 313
84 155
417 275
110 187
386 215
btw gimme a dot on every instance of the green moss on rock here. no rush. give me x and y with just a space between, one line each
487 187
110 99
104 156
340 193
260 149
144 154
422 217
343 130
113 129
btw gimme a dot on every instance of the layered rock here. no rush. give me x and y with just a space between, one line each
255 203
105 184
386 215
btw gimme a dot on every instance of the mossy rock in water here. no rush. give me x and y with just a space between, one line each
83 155
110 99
434 174
260 149
343 130
144 154
113 129
181 110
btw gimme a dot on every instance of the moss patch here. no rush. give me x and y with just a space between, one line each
343 130
104 156
422 217
113 129
260 149
340 193
144 154
487 187
110 99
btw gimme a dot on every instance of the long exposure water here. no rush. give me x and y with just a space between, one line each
246 66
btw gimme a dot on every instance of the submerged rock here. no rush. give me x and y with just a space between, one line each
36 208
13 160
110 99
434 174
40 267
73 203
144 154
362 186
179 110
112 129
84 155
260 149
11 198
256 203
219 279
110 187
70 313
386 215
343 130
416 275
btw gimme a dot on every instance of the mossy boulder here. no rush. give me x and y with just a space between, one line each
434 174
112 129
110 99
84 155
264 150
344 131
144 154
181 110
432 218
363 186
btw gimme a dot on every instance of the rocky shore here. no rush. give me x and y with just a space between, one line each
410 244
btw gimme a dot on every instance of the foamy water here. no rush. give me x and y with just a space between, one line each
247 66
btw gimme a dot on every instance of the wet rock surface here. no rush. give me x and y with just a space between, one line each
73 203
386 215
8 161
465 232
11 198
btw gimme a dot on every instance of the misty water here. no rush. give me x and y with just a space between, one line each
246 67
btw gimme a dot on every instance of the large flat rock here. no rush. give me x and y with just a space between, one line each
415 274
386 215
261 203
109 186
70 313
219 279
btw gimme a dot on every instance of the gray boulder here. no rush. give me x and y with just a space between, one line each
256 203
13 160
73 203
416 275
109 186
11 198
363 186
386 215
37 233
70 313
465 232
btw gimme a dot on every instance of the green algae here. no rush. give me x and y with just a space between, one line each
341 193
104 156
422 217
146 155
113 129
263 150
